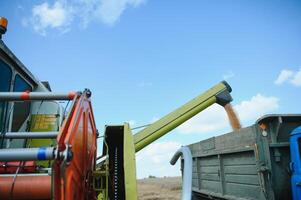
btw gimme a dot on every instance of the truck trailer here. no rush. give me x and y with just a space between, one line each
259 162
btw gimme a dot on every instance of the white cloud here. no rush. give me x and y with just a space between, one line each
228 75
215 118
257 106
62 13
292 77
44 16
154 160
283 76
109 11
297 78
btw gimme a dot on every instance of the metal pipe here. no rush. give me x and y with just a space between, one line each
25 187
34 96
30 135
187 171
218 94
27 174
27 154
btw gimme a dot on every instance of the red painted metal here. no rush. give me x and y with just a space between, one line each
72 180
25 187
71 95
11 167
25 95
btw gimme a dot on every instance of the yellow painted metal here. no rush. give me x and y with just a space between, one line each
100 196
101 176
103 172
129 164
43 123
179 116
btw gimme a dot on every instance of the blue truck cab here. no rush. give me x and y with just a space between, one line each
295 149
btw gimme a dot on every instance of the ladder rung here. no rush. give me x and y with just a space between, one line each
27 154
30 135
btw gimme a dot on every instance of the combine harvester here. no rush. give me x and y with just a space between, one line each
49 152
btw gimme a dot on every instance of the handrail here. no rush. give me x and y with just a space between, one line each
34 96
30 135
27 154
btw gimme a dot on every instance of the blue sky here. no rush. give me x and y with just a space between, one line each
144 58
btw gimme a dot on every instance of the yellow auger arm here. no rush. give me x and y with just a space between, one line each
218 94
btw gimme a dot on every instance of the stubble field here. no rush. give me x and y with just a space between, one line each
168 188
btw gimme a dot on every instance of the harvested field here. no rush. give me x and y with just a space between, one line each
168 188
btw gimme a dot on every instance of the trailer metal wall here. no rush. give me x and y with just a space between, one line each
252 163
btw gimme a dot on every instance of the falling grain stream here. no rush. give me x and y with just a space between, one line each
233 119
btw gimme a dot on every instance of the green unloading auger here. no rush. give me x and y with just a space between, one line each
118 177
218 94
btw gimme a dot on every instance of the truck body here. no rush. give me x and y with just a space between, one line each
252 163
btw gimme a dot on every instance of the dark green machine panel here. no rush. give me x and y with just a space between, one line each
252 163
